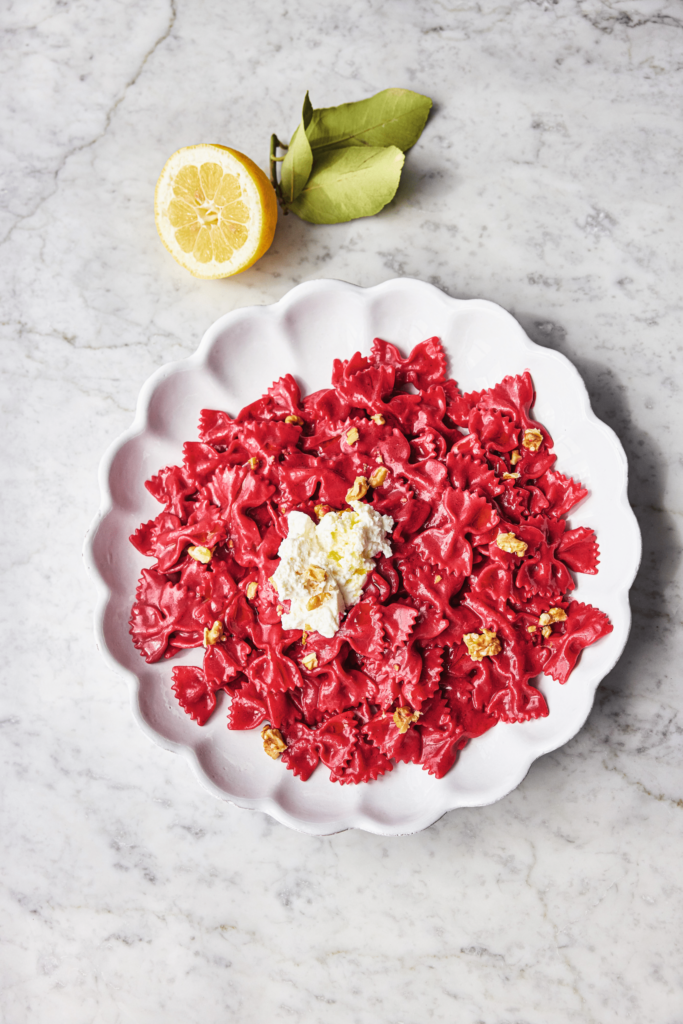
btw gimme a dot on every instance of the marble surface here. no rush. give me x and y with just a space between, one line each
548 180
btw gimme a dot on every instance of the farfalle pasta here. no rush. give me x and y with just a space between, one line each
452 626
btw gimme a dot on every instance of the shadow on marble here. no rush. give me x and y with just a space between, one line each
298 252
650 594
420 183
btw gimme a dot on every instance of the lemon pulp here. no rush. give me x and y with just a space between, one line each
215 210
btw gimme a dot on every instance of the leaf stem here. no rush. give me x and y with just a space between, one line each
275 144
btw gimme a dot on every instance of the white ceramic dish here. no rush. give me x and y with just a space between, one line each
239 357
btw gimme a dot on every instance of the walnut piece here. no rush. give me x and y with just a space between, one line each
358 491
437 579
200 554
352 436
378 477
510 476
310 661
510 543
515 457
321 510
273 743
378 419
552 615
404 718
313 577
533 439
279 608
214 635
254 462
482 645
531 629
315 601
294 419
547 631
252 589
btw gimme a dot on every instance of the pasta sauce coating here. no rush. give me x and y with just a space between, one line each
452 626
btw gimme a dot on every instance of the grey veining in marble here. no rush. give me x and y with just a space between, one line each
549 180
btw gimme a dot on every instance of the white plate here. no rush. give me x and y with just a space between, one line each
239 357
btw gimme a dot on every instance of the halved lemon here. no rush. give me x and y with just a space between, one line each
215 210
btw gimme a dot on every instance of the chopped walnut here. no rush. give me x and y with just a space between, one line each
531 629
313 577
273 743
359 489
378 459
310 661
252 589
200 554
510 476
547 631
397 668
533 439
404 718
378 477
378 419
482 645
304 638
315 601
321 510
294 419
254 462
214 635
437 579
352 436
510 543
515 457
279 609
552 615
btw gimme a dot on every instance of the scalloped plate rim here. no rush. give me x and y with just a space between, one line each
267 804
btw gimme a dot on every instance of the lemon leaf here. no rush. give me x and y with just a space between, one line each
298 163
348 183
394 117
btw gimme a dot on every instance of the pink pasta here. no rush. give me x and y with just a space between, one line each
451 629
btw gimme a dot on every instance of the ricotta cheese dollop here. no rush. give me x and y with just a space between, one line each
323 567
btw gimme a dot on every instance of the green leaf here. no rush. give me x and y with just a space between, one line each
394 117
298 162
307 112
349 183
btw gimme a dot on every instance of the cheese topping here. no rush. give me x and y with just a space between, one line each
323 566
